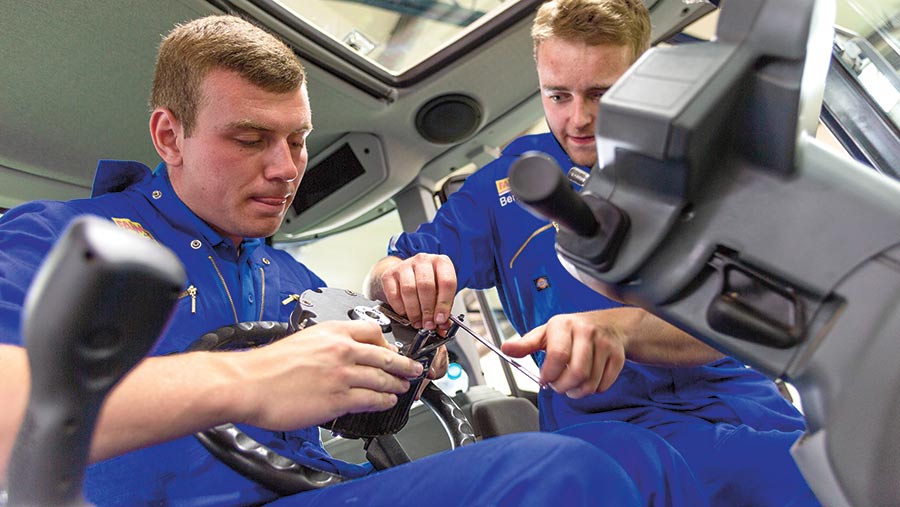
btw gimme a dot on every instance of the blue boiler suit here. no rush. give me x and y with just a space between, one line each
225 287
729 422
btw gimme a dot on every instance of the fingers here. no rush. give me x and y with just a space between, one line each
422 288
581 375
582 358
365 400
390 285
440 363
611 371
372 348
531 342
558 351
361 331
388 361
375 379
446 290
416 287
421 389
340 366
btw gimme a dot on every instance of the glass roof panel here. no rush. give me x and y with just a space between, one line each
395 35
868 44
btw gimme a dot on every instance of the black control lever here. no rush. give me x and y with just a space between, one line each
591 228
541 187
96 307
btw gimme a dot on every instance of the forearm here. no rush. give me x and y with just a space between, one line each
165 398
339 367
651 340
13 398
161 399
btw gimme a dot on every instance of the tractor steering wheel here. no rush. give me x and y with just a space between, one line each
284 475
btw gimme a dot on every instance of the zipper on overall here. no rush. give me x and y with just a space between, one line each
262 304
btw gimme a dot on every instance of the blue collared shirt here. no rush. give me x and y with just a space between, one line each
494 242
223 287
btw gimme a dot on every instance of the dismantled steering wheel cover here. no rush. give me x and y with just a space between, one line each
277 473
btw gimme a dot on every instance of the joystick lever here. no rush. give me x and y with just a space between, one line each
96 307
590 228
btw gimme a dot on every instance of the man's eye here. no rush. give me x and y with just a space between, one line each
248 142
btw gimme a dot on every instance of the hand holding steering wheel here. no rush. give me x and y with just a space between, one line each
285 476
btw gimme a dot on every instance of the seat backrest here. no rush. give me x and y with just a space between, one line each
501 416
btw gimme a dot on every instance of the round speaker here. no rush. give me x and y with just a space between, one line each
448 118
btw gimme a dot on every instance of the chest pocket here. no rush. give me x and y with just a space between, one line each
533 270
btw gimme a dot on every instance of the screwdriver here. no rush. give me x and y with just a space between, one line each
493 348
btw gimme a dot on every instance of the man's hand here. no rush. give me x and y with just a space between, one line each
439 364
438 368
586 351
583 356
322 372
421 288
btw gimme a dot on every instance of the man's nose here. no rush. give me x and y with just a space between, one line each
282 165
585 112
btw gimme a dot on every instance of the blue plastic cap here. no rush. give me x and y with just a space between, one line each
454 371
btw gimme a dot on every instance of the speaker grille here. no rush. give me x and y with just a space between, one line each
448 118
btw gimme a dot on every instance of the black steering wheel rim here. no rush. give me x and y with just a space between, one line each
280 474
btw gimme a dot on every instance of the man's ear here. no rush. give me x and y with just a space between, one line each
167 134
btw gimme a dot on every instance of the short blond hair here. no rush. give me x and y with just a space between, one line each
190 51
594 22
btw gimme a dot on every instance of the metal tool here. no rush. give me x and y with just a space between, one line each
493 348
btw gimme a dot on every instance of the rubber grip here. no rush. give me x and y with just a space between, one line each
96 307
541 187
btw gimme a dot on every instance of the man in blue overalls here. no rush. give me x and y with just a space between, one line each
230 119
604 363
